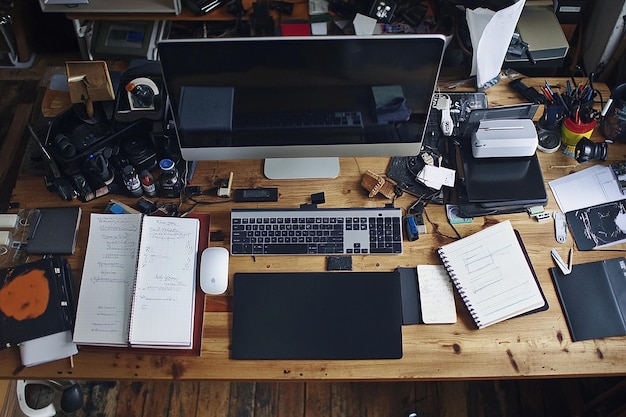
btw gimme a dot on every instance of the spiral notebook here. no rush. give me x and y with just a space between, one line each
139 282
493 275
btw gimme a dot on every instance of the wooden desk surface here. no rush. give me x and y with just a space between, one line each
536 345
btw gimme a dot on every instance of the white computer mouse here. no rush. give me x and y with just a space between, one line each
214 270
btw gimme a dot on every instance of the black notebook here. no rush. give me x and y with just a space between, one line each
36 300
311 315
52 230
491 180
490 186
593 298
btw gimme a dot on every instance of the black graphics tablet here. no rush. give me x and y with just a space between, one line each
310 315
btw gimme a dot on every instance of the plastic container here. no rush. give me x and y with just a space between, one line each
131 181
147 183
572 132
169 180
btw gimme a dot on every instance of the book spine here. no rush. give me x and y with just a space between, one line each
459 287
134 291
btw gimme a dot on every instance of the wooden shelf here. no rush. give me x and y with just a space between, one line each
115 6
300 11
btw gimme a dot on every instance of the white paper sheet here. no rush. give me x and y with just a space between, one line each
436 295
589 187
490 33
48 348
364 25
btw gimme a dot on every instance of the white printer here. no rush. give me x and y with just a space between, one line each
504 138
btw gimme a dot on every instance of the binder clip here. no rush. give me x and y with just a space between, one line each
565 269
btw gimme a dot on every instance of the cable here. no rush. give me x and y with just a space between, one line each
197 203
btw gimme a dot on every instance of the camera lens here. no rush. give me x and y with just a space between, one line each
65 147
142 95
586 150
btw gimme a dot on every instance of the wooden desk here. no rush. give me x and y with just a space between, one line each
536 345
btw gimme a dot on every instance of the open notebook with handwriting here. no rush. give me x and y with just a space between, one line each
139 282
493 275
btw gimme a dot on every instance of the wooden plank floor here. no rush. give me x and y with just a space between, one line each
509 398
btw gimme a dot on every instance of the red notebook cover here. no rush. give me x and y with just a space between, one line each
196 348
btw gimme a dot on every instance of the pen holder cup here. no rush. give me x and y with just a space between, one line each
551 118
572 132
613 124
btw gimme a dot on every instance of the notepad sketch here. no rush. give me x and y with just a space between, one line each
492 275
598 226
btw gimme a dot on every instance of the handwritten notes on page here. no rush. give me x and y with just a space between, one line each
163 305
138 283
436 295
108 279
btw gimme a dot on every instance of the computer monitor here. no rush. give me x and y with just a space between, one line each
291 100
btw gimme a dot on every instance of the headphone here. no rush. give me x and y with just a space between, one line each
71 398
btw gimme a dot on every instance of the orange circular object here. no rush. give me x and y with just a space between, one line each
26 296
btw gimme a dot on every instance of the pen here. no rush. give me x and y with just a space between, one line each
548 95
548 87
563 103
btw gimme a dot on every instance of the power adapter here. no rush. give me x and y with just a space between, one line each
193 190
146 206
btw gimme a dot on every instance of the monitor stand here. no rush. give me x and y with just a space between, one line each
301 168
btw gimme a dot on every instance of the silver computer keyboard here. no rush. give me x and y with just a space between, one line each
323 231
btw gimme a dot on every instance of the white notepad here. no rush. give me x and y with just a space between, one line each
492 275
139 282
436 295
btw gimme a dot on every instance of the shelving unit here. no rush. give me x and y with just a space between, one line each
84 19
119 7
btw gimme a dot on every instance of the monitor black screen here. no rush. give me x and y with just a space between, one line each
301 96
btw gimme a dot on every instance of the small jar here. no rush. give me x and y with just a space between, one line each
147 183
169 180
131 181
